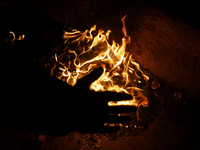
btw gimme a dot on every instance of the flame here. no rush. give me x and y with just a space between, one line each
20 37
83 52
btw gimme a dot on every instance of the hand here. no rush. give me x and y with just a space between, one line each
81 107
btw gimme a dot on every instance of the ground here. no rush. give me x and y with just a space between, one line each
164 43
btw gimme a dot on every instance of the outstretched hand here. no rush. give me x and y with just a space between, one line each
88 108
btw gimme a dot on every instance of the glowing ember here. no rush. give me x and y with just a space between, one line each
85 52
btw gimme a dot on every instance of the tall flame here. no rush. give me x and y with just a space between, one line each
84 52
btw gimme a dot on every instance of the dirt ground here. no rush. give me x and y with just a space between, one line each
164 43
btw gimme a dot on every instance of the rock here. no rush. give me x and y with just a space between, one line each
155 84
42 137
178 95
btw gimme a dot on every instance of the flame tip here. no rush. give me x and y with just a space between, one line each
123 17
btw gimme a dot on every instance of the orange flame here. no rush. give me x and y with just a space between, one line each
83 53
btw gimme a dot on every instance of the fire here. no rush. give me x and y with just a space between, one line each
84 52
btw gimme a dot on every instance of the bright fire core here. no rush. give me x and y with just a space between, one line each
85 51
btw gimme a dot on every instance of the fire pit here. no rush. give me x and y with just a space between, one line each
77 89
82 52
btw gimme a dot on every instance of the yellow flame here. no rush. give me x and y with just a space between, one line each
84 52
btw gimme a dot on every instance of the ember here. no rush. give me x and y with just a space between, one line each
83 52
